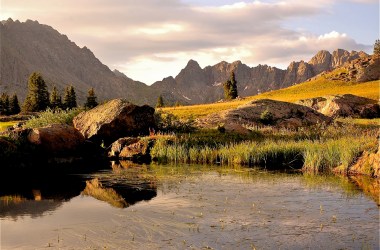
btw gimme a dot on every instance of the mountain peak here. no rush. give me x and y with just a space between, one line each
192 64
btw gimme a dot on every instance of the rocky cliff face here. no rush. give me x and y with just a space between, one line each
30 46
195 85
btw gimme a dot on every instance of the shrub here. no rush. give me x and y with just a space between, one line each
266 117
51 117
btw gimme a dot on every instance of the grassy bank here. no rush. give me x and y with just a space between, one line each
313 151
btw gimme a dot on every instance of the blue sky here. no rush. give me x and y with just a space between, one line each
152 39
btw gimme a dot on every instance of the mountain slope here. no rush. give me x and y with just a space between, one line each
30 46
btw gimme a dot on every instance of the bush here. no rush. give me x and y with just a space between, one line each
266 117
52 117
169 123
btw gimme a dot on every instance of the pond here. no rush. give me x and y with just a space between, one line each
128 206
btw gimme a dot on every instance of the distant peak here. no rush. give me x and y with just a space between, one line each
192 64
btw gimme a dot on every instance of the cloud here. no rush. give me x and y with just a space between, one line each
160 36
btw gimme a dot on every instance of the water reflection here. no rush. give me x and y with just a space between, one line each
35 194
197 207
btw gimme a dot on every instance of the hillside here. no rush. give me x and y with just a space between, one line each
30 46
322 85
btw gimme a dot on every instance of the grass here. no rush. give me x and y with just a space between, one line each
321 86
361 122
316 151
5 125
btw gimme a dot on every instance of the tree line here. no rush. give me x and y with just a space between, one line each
39 99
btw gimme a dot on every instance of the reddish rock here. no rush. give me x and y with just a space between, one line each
56 139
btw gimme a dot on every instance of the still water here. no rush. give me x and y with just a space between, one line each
186 207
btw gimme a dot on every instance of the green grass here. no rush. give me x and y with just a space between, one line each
5 125
321 86
317 150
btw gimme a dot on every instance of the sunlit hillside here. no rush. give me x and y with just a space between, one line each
320 86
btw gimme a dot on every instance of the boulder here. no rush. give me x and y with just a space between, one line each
266 112
343 106
137 149
117 146
113 120
56 139
368 164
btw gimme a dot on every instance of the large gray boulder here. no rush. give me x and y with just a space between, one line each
113 120
344 106
265 112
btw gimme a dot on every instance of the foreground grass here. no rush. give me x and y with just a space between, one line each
321 86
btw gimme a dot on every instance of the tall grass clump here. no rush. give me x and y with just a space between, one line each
324 156
52 117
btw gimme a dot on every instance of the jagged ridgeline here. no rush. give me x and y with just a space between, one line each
29 46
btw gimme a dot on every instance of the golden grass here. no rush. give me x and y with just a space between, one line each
5 125
321 86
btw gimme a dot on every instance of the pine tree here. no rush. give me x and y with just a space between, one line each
70 99
5 104
376 47
230 88
160 102
14 105
91 99
37 98
55 99
233 89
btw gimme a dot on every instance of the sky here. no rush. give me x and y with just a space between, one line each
151 39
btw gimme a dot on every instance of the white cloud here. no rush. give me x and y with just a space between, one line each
159 37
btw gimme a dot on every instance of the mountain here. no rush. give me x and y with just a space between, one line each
30 46
196 85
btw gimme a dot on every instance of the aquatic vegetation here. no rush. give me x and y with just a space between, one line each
331 149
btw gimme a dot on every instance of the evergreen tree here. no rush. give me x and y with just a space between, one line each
233 89
160 102
230 88
376 47
91 99
5 108
55 99
37 98
14 105
70 99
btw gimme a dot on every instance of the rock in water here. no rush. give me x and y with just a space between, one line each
113 120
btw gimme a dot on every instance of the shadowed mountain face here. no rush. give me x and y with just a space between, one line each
30 46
